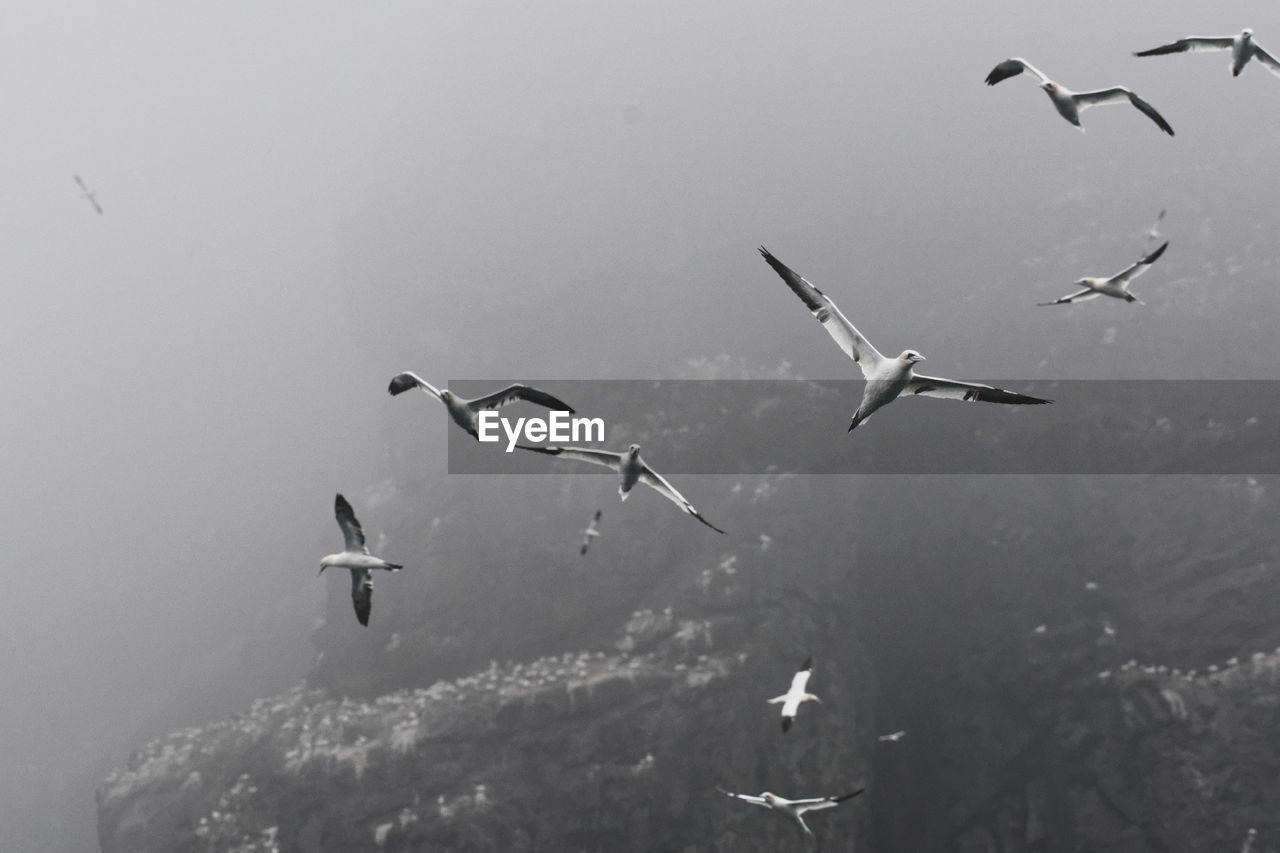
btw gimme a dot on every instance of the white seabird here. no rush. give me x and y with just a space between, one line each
893 737
1249 837
792 698
887 378
1117 286
1242 47
1068 103
630 467
355 556
793 809
465 413
88 194
591 532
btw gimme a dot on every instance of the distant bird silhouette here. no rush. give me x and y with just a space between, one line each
87 194
887 378
591 532
465 413
1249 837
1242 47
893 737
1070 104
631 469
1117 286
355 556
793 810
792 698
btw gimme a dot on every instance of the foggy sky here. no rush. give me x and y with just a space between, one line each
302 199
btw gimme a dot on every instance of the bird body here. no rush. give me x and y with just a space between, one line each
631 470
356 557
795 695
1070 104
1117 286
1242 47
887 378
793 810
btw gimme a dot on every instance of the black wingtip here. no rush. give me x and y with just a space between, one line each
850 796
808 663
786 725
1151 258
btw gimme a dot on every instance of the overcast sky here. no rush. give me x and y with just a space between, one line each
304 198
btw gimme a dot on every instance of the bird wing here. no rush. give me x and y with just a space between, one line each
837 325
93 201
1273 64
519 392
1079 296
816 803
402 382
1012 68
582 454
351 530
1115 94
362 594
750 798
1138 267
932 386
80 183
1192 43
652 478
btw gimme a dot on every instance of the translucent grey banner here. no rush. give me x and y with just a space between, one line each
799 426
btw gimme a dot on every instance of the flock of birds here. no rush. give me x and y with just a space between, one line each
886 380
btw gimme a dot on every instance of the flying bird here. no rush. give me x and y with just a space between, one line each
465 413
86 193
893 737
356 557
793 810
1117 286
1242 47
887 378
792 698
1068 103
591 532
631 468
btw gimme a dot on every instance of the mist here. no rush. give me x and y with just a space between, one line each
301 200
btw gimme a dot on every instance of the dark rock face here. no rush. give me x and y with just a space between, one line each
1047 643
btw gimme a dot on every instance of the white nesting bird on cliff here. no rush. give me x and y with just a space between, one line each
795 695
887 378
1070 104
1242 47
793 810
1117 286
356 557
466 413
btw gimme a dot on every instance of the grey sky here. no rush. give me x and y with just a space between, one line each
301 199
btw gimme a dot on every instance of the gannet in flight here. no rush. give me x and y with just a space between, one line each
792 698
591 532
793 809
465 413
631 468
1242 47
355 556
88 194
887 378
1068 103
1249 837
1117 286
893 737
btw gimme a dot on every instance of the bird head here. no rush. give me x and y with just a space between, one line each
446 395
769 798
325 562
1246 33
1049 86
633 451
910 356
